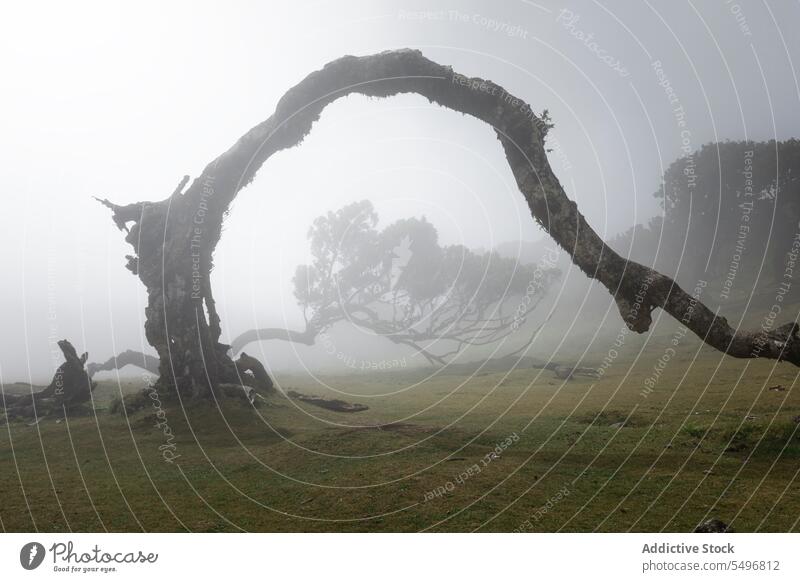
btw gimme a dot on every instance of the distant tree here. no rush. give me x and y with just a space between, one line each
739 201
402 285
744 193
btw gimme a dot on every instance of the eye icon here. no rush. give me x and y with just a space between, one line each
31 555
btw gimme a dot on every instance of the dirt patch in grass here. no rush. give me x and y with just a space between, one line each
752 438
405 428
611 418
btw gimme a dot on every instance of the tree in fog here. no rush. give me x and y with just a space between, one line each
400 284
737 200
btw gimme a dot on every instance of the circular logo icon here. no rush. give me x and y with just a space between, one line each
31 555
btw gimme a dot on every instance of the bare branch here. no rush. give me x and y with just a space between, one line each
144 361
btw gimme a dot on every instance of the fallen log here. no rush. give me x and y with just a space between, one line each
566 371
326 403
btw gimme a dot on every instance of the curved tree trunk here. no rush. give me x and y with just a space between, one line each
307 337
143 361
174 239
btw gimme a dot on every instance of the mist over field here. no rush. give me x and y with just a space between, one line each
94 110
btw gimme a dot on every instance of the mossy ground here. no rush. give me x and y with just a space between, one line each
711 440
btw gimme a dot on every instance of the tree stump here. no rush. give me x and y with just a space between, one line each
70 386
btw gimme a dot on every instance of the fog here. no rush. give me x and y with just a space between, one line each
120 100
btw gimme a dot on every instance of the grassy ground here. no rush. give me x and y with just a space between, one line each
711 440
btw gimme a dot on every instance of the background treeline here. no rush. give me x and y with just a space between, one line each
731 214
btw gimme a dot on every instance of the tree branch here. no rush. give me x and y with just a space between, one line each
144 361
307 337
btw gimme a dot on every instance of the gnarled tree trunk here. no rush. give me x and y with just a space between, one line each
174 239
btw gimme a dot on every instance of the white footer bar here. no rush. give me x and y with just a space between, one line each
399 557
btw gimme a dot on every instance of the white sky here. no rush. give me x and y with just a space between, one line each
121 99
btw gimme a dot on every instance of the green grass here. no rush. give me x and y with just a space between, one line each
692 449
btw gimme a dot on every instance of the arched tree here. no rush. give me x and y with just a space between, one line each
174 239
402 285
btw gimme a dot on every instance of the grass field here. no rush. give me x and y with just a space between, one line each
711 440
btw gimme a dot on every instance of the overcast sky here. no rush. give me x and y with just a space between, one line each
121 99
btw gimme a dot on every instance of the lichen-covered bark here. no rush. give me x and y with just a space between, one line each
174 239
